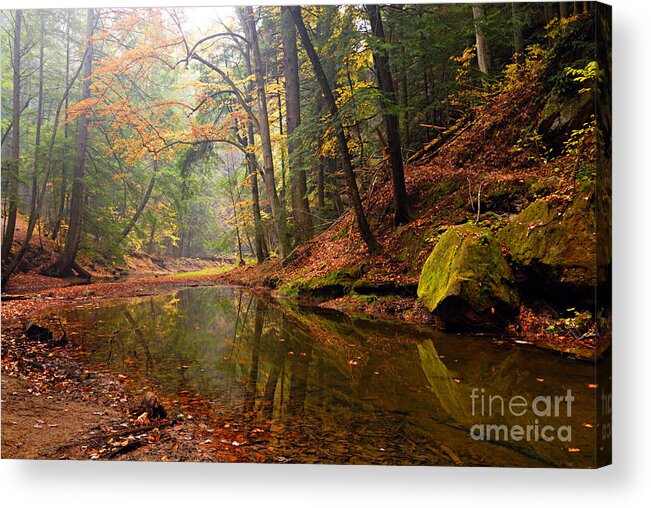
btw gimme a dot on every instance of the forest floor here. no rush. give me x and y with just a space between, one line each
29 277
54 408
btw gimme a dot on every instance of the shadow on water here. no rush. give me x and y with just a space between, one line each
337 389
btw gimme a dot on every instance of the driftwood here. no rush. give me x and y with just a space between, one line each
9 298
81 271
129 447
109 435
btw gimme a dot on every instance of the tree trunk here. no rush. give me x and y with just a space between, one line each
405 103
342 142
565 9
320 177
66 260
38 202
283 166
483 48
355 126
257 216
9 129
127 229
64 166
231 195
277 210
385 81
320 186
518 41
150 248
260 250
549 11
303 226
335 194
14 166
34 204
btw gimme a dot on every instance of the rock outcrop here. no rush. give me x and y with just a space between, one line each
554 246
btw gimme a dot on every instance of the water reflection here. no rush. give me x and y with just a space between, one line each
339 389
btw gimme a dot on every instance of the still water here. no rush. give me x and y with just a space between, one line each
342 389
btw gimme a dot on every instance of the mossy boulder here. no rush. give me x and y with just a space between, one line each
466 283
554 245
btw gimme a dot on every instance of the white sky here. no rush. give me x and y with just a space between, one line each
201 18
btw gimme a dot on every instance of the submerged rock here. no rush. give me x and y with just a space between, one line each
466 283
555 247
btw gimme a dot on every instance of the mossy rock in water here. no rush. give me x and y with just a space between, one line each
327 287
555 247
466 283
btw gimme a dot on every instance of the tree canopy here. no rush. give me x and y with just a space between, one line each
138 131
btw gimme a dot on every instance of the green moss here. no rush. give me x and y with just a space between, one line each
331 285
554 244
410 248
289 290
445 188
365 287
364 298
467 278
542 187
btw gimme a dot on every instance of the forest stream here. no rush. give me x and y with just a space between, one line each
333 388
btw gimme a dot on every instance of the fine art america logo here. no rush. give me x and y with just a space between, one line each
539 417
